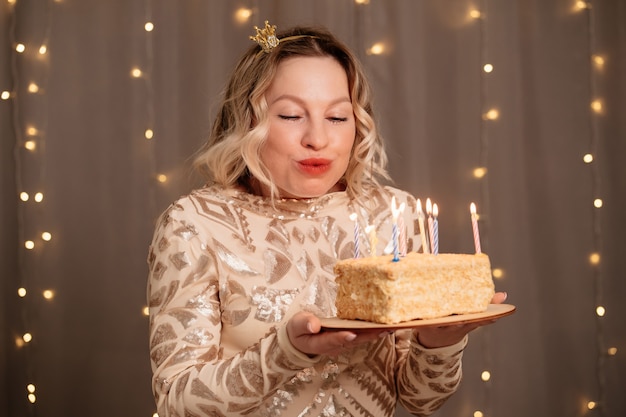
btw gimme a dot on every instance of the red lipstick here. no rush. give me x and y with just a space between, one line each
314 165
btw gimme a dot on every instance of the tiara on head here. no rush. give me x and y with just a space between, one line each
267 39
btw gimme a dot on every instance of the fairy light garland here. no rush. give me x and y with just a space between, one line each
480 173
597 403
30 58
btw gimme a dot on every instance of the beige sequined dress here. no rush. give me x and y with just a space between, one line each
227 270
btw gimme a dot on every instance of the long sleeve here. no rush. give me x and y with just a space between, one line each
191 377
426 378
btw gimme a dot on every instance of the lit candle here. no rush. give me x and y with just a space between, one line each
371 232
394 235
402 231
429 214
475 227
435 229
420 220
353 217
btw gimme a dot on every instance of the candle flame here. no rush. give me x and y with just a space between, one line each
473 208
353 217
429 206
435 210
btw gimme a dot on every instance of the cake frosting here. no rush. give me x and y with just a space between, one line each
417 286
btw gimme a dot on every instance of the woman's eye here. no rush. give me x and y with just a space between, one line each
285 117
338 119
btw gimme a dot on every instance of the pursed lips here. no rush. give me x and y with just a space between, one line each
314 165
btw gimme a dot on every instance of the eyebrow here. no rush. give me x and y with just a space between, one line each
299 100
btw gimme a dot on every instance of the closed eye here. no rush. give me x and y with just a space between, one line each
338 119
285 117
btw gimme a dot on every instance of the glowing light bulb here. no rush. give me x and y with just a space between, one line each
594 258
33 88
39 197
30 145
580 5
488 68
598 61
600 311
24 196
591 405
27 337
362 1
612 351
485 376
480 172
161 178
32 131
588 158
145 311
478 413
149 134
497 273
48 294
29 244
149 26
243 14
475 14
30 388
21 292
46 236
597 203
376 49
32 398
5 95
19 48
155 415
596 106
492 114
43 49
135 73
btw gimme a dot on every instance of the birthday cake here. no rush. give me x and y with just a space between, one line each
417 286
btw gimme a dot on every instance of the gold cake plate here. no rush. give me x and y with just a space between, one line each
493 312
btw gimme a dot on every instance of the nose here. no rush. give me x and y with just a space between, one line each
315 137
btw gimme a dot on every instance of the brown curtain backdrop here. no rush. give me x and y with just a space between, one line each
559 87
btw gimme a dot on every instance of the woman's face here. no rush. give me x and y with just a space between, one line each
312 127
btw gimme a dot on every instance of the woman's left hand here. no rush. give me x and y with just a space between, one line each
434 337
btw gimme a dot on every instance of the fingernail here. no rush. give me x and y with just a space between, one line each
505 296
350 337
309 327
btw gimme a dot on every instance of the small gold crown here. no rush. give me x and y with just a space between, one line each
266 37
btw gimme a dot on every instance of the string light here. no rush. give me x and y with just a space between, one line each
597 63
376 49
497 273
243 15
480 172
478 15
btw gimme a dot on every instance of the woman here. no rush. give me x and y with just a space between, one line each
241 269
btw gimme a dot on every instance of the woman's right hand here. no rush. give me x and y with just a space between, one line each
304 333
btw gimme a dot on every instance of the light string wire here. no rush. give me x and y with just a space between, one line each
22 272
596 217
36 132
484 191
148 78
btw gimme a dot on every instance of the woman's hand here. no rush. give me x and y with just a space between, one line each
304 333
433 337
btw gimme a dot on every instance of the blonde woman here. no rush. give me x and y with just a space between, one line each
241 269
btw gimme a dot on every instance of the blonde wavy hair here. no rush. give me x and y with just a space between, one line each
231 156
